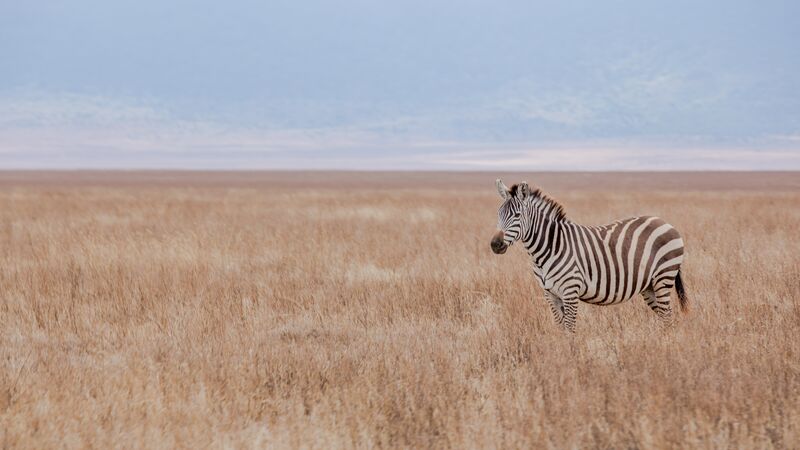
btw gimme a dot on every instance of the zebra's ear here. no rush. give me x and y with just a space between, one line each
501 189
523 190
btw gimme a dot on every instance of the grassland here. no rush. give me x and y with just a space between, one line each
320 310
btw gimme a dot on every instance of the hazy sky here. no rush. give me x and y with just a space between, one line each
414 84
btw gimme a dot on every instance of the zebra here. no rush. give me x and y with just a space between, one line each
600 265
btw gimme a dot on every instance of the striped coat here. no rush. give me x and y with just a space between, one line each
601 265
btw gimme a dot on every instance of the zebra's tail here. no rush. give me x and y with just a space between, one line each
684 300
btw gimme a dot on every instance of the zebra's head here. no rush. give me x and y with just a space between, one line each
508 216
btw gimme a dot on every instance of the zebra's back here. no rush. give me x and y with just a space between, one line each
624 258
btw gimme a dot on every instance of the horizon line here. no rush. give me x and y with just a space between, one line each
399 171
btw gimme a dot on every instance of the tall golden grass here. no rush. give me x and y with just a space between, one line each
151 314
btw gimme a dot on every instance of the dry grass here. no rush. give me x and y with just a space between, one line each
272 315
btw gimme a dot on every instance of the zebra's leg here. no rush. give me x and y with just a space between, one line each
556 307
658 300
570 312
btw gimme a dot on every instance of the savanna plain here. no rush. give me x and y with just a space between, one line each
341 310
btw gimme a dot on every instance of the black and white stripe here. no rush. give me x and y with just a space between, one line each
602 265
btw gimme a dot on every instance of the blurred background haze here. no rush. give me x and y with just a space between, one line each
475 85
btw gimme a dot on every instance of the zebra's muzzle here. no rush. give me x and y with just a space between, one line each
498 243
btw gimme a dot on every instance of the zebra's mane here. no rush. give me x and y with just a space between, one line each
556 209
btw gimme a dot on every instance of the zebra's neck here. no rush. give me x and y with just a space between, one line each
543 233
